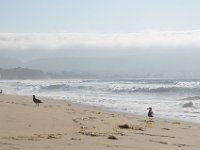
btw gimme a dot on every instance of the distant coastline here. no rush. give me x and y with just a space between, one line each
27 73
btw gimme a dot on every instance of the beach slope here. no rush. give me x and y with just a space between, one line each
61 125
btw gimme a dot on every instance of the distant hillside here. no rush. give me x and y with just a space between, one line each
24 73
21 73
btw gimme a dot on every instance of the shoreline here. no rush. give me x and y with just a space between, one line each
104 109
59 124
169 99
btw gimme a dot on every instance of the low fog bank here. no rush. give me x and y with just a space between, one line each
162 65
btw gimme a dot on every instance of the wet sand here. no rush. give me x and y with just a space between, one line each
61 125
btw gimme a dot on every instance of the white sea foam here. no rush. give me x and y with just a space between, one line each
168 98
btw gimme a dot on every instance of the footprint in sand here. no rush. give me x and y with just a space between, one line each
31 138
12 147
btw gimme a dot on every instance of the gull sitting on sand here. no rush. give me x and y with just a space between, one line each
36 101
150 113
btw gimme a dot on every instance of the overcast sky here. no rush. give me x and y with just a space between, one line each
57 24
98 16
98 27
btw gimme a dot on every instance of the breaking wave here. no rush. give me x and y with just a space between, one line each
55 87
65 87
154 89
123 89
192 98
191 102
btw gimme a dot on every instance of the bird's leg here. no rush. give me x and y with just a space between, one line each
151 118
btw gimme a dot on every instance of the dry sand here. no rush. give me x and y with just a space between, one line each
60 125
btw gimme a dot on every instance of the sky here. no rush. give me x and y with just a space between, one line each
98 16
91 28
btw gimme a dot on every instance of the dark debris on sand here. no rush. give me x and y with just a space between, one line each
133 127
111 137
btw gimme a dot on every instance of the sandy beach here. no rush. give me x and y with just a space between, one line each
61 125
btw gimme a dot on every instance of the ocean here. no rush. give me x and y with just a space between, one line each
169 98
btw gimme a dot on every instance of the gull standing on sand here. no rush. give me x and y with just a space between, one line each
36 101
150 113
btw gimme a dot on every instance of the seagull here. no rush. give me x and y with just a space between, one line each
150 113
36 101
